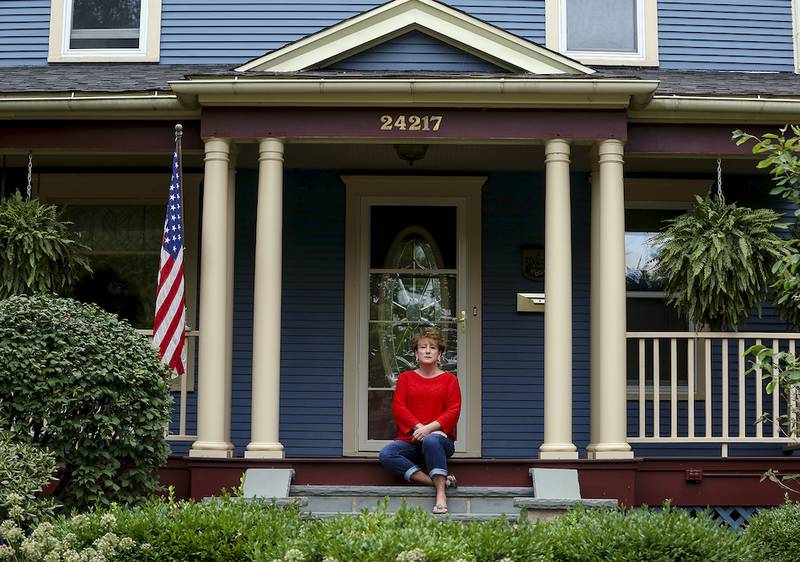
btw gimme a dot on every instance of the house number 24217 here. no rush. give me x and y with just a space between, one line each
411 122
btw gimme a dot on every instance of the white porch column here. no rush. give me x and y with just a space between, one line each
608 377
213 429
264 439
229 296
558 305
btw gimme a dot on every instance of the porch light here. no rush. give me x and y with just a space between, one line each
411 152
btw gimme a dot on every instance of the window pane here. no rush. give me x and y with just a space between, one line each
125 240
111 228
640 252
601 25
380 421
412 298
105 24
390 351
413 237
654 315
124 285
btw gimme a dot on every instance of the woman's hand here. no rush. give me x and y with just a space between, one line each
422 431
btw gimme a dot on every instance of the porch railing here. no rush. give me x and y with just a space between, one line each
691 387
182 386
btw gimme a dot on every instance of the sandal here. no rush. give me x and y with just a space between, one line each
451 482
439 509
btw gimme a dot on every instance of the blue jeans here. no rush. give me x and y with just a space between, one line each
403 458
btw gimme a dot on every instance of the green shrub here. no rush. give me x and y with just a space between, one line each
230 529
40 253
25 470
775 534
89 387
643 534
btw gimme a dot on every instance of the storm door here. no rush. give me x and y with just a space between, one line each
413 283
413 260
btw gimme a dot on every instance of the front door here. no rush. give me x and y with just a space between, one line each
414 256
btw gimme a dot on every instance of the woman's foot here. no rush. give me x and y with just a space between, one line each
451 482
439 509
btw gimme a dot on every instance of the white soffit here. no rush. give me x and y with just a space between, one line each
398 17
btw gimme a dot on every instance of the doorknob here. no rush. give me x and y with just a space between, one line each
462 321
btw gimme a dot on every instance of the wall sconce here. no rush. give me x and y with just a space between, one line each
411 152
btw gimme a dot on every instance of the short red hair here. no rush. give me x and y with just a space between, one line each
429 333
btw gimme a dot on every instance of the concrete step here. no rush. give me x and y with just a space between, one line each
463 517
478 501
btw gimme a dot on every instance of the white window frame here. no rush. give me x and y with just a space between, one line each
149 37
647 36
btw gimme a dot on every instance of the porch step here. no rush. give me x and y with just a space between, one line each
465 503
463 517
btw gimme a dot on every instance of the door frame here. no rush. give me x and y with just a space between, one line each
363 191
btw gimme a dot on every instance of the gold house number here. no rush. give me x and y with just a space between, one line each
411 122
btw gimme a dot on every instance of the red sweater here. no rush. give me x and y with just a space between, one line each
421 400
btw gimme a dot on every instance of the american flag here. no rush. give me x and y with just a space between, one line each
170 323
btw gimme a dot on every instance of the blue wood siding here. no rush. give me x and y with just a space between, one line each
209 31
24 31
513 343
312 339
693 34
415 51
727 35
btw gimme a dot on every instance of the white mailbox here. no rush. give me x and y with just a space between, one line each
530 302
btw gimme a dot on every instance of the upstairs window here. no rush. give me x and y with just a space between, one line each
613 32
105 24
105 30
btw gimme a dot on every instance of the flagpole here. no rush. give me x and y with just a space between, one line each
179 149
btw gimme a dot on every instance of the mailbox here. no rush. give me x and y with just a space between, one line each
530 302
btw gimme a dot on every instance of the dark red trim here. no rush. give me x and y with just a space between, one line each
653 138
101 136
688 482
456 125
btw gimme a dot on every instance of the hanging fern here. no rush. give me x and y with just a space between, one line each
716 261
40 254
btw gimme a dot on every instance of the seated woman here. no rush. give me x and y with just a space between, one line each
427 403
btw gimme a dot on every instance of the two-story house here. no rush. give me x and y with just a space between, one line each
354 171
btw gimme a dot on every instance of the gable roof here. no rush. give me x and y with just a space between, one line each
433 18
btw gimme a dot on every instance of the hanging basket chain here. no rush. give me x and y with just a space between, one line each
30 174
720 196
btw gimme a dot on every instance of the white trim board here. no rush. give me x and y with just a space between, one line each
433 18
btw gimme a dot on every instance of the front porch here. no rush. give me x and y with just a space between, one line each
285 384
512 199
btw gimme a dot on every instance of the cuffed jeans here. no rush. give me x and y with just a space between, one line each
403 458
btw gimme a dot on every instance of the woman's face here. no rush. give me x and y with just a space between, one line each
427 352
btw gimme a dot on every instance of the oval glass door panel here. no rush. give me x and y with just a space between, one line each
412 284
